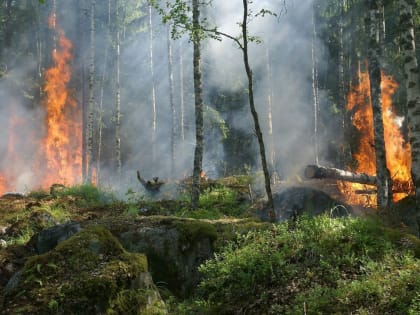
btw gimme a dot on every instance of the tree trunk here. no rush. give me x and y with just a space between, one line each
316 171
315 90
181 93
342 101
254 113
83 91
411 71
91 101
374 54
199 115
272 151
101 101
117 97
171 100
153 90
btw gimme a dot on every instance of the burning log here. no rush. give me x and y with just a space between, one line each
316 171
151 186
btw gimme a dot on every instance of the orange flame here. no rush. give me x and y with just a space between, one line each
63 141
398 151
57 156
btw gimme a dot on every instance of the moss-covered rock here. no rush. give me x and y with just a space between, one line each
90 273
176 247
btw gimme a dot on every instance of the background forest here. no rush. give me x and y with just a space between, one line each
98 97
129 88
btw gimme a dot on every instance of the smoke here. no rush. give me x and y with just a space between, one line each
285 51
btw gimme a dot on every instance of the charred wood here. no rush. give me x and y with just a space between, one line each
153 185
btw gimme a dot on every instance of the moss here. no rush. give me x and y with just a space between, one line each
193 230
81 275
136 302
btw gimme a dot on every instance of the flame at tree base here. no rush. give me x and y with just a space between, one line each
53 155
398 151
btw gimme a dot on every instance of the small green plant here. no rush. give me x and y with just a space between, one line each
87 195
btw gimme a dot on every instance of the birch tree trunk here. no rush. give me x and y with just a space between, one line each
315 90
272 151
411 71
171 100
342 101
181 92
101 100
199 115
374 54
153 90
118 96
91 100
254 113
83 90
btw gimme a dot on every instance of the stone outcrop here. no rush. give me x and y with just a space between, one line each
90 273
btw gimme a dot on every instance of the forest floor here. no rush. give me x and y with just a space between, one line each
367 265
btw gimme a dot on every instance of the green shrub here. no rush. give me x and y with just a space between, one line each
328 266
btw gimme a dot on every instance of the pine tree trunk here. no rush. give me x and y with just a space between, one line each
411 71
171 100
374 54
254 113
153 90
199 115
118 97
91 101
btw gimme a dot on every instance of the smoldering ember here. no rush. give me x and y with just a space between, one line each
209 157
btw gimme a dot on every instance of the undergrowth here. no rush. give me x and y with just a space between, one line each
320 265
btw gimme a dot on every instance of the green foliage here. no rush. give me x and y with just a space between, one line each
332 265
87 195
214 120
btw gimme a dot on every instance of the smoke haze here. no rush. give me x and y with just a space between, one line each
286 49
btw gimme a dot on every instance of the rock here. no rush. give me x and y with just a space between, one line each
13 282
49 238
174 248
295 201
90 273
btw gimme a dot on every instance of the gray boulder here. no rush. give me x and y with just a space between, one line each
47 239
295 201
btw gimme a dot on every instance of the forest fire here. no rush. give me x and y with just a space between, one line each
55 156
398 151
61 147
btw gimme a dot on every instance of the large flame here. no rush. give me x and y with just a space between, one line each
55 156
61 147
398 151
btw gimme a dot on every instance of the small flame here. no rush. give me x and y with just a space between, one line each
398 151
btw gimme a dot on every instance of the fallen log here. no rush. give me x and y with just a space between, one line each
319 172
